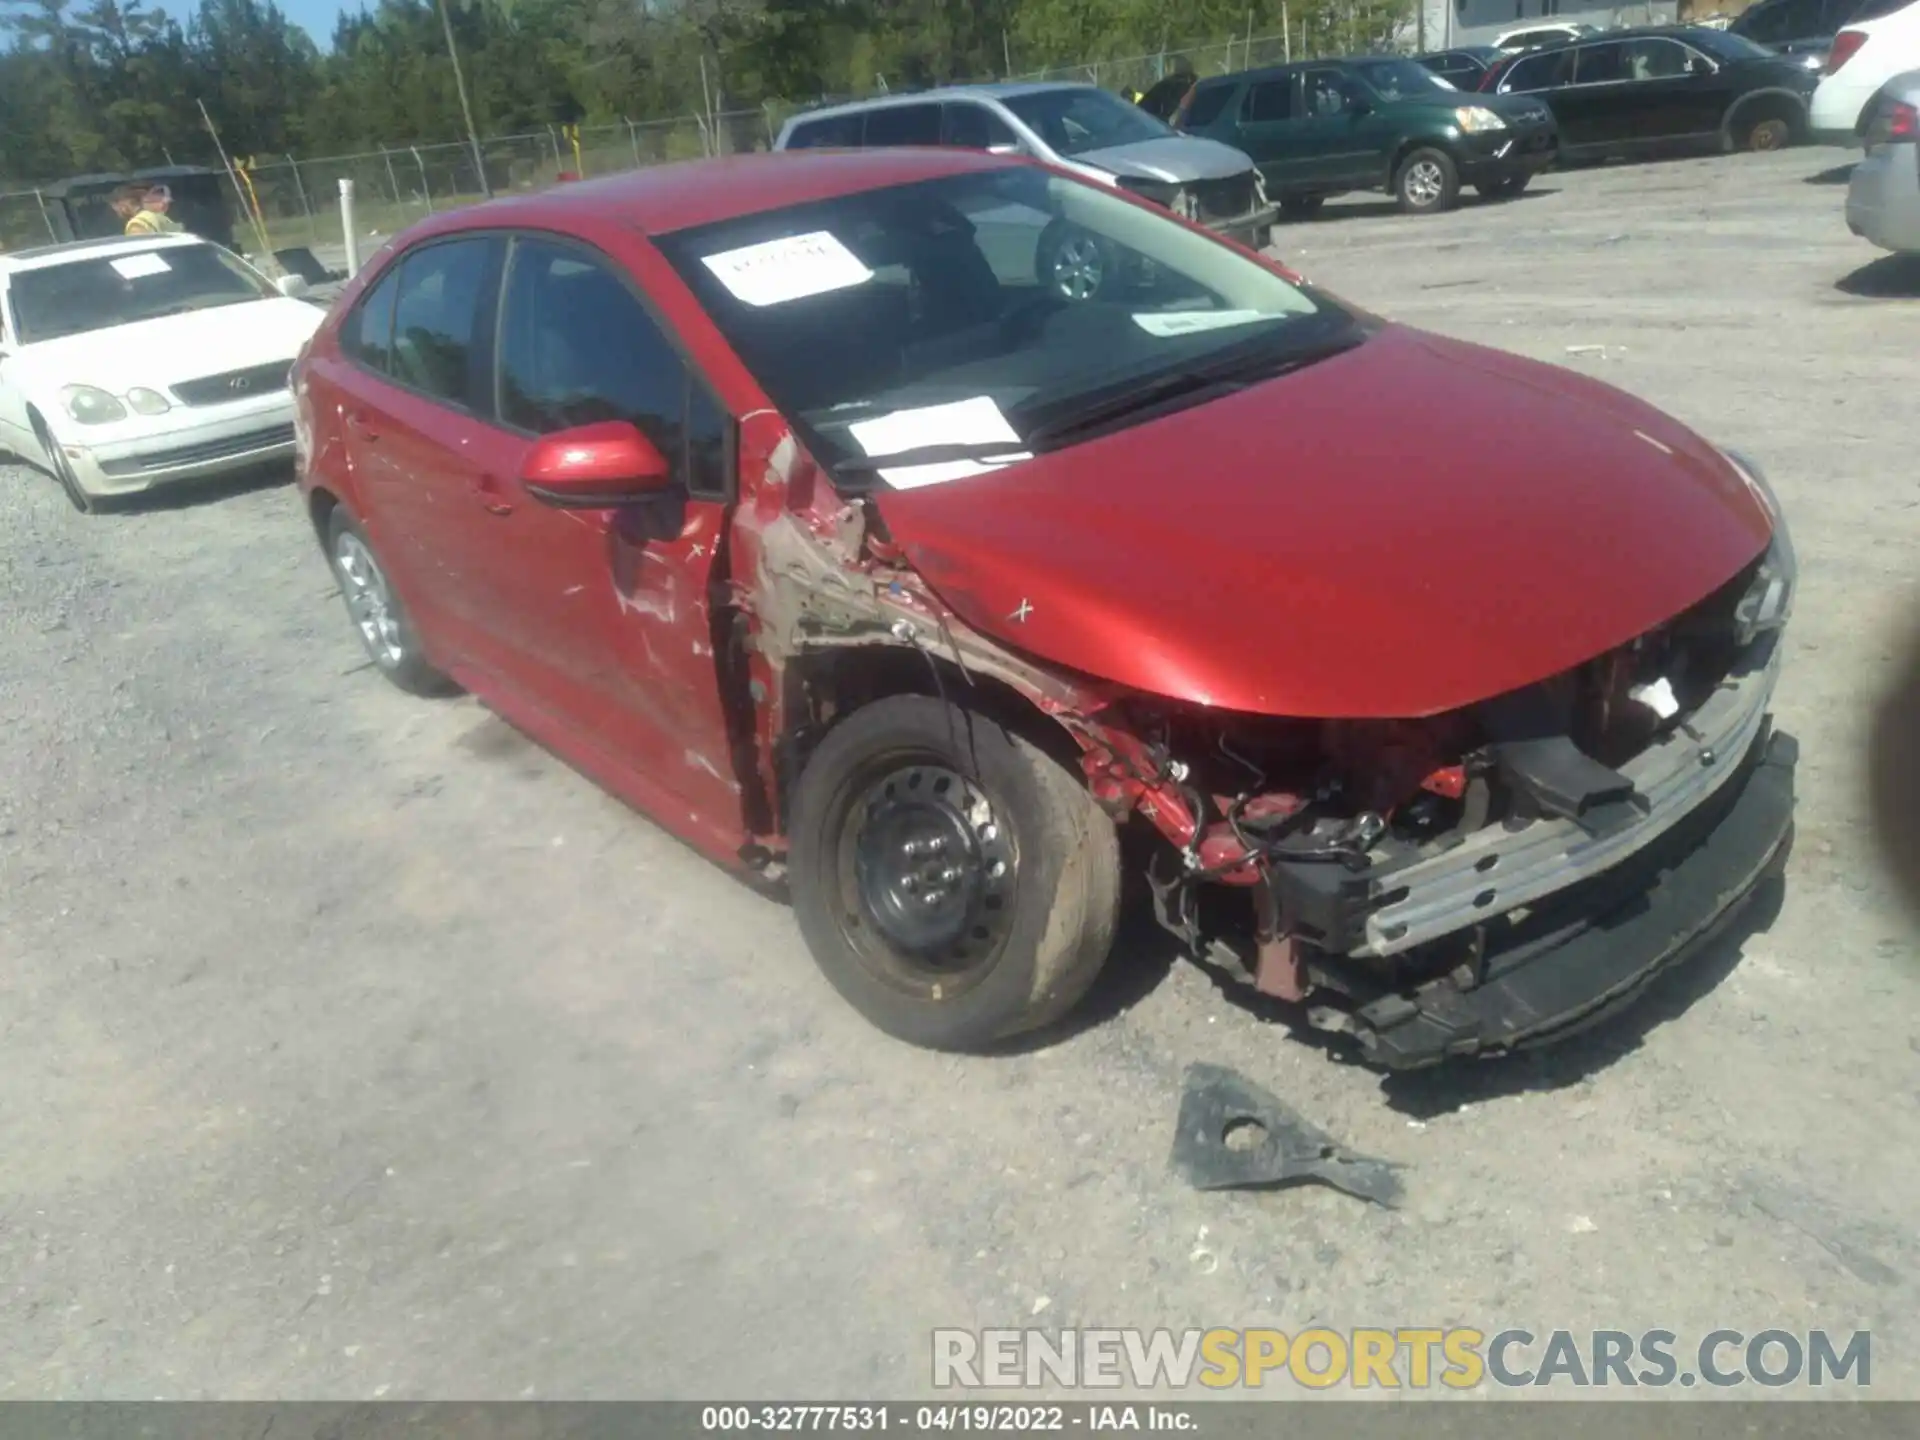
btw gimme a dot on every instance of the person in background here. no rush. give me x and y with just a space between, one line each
126 202
152 217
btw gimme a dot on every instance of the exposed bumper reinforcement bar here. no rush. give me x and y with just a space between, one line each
1592 948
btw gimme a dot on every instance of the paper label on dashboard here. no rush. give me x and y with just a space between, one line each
135 267
964 422
1168 323
792 268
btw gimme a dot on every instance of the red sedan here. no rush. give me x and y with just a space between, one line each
783 496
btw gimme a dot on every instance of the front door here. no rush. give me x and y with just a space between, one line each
1678 93
601 618
1343 149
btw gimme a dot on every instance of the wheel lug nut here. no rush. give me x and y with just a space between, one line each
989 832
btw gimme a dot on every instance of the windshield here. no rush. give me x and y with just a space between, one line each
992 310
1722 46
1078 119
99 292
1398 79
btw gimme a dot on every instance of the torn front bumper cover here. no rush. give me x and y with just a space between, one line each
1568 921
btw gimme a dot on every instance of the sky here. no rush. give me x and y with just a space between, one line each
316 17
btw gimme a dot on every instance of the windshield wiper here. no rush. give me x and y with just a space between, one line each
1226 374
932 455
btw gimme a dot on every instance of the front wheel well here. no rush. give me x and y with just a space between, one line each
1407 147
824 687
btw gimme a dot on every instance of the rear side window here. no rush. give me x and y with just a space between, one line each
1600 64
1538 72
904 125
1207 103
837 132
367 336
1269 100
437 329
975 127
1873 10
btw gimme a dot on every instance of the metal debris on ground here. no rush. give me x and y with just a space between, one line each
1234 1135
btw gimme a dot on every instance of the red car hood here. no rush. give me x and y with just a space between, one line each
1408 527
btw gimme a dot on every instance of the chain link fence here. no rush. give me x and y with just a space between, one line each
298 200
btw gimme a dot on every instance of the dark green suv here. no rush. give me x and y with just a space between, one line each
1322 127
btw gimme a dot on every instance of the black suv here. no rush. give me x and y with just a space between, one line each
1321 127
1629 92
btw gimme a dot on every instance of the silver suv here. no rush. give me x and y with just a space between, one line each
1080 128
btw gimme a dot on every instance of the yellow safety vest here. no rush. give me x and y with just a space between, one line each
151 222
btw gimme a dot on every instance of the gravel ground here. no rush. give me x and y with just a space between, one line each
355 1047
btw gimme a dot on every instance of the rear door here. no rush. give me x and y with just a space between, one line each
1547 76
1677 92
414 406
1599 106
1267 126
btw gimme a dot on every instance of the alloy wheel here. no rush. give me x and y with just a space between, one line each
1424 183
1078 267
364 586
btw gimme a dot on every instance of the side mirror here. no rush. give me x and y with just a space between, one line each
595 467
291 286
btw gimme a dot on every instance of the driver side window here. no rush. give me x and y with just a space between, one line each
577 348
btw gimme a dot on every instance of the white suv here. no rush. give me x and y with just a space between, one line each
1880 42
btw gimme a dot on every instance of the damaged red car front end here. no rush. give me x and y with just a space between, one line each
1427 686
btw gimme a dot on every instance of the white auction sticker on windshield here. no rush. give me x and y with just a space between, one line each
964 422
777 271
134 267
1168 323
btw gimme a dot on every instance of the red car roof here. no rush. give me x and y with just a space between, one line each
664 198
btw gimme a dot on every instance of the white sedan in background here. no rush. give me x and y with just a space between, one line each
127 364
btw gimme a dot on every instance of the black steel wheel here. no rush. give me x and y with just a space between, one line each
954 882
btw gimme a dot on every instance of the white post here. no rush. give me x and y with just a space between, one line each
1286 32
347 228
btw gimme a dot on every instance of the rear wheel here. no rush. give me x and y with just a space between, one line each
1301 207
955 883
385 629
1426 182
1772 132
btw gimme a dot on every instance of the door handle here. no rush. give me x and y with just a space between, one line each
492 497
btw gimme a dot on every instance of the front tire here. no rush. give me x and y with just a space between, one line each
379 618
956 884
78 496
1426 182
